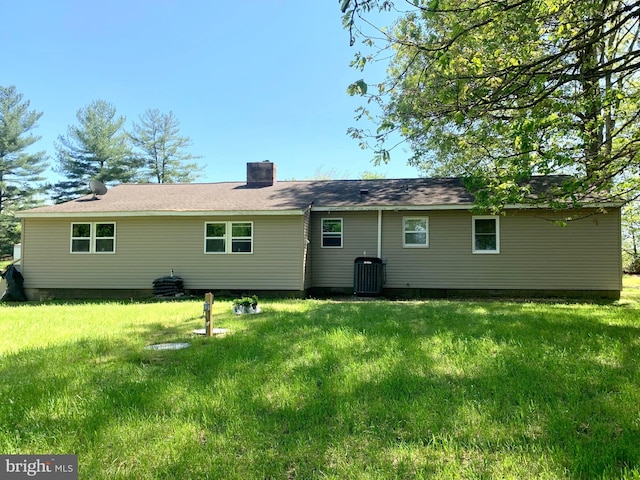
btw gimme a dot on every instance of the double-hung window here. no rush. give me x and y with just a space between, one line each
93 237
241 237
228 237
415 232
215 240
486 234
331 233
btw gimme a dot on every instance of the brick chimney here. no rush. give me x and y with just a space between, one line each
261 174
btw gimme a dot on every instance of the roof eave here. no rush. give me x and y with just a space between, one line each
314 208
458 206
525 206
364 208
160 213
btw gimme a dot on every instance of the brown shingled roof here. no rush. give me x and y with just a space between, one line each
282 196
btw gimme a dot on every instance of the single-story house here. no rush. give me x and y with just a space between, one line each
307 237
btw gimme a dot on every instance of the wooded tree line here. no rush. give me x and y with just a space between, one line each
97 147
497 91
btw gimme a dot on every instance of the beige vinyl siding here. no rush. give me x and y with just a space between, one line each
150 247
333 267
535 254
306 247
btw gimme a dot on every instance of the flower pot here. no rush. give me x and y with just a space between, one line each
246 309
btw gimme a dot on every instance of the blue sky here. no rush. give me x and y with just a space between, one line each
248 80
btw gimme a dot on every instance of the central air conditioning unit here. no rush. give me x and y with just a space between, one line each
368 276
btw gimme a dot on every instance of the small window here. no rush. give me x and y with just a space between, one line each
331 232
415 232
215 238
105 238
80 238
486 235
228 237
241 237
93 238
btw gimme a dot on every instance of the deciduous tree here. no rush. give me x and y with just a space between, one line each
500 90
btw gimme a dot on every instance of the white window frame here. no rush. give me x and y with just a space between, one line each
228 237
473 234
96 238
88 239
223 238
331 234
240 238
405 231
92 238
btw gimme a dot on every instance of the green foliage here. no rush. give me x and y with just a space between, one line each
501 91
20 168
248 301
358 88
9 233
162 149
633 266
96 148
326 389
631 237
372 176
328 174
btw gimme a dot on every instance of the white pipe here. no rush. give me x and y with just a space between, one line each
379 233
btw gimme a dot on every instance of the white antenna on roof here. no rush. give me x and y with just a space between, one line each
97 188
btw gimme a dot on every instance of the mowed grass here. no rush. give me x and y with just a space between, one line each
327 389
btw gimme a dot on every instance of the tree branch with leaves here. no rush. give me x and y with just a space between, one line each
499 91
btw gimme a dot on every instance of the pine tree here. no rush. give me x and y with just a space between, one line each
96 148
163 150
20 169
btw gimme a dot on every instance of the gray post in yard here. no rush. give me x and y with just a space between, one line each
208 324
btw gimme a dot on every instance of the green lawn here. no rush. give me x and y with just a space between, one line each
324 389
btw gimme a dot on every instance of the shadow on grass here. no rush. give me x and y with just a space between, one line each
394 390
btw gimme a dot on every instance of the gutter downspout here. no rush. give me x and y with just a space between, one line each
306 249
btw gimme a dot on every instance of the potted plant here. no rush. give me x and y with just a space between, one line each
247 304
